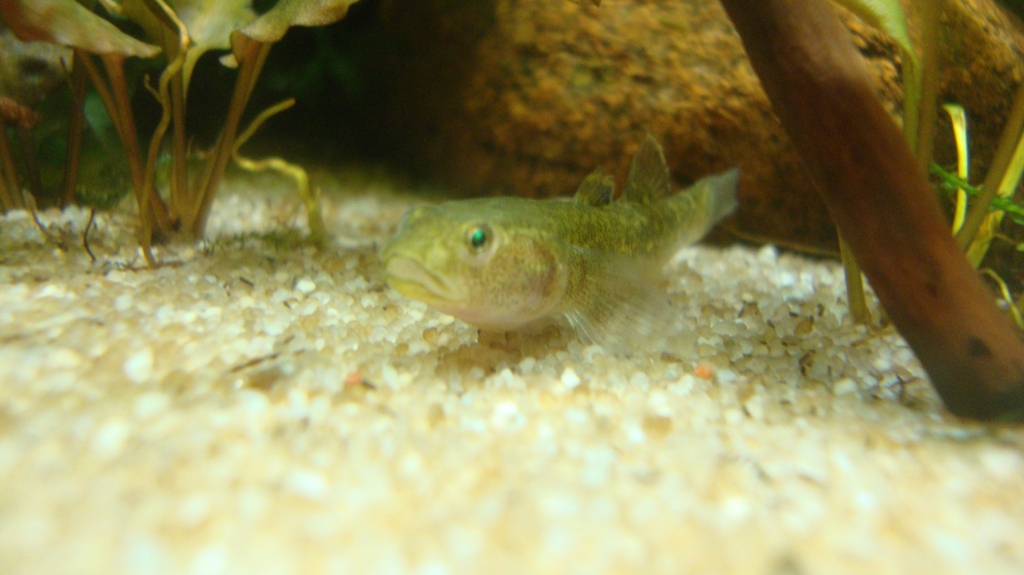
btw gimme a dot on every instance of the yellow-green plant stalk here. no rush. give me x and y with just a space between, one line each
1007 150
310 196
959 120
1005 291
990 225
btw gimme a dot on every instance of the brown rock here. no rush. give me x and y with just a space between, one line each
543 92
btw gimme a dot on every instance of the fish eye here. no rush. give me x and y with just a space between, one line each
478 236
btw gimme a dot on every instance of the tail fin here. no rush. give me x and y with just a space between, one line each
703 205
721 194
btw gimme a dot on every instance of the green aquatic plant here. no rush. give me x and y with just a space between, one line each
29 73
181 30
958 118
1001 181
66 23
954 185
882 202
974 230
310 196
998 204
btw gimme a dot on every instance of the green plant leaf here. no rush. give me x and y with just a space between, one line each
67 23
270 27
209 25
951 184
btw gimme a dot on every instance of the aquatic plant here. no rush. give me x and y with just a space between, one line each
998 204
920 87
981 223
182 30
883 205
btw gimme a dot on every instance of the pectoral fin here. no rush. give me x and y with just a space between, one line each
596 189
621 303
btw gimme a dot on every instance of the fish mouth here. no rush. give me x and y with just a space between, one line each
411 279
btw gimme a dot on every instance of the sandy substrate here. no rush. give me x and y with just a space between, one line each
261 407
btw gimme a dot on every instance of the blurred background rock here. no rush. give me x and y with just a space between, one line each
526 97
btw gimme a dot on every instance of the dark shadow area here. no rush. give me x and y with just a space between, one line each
361 85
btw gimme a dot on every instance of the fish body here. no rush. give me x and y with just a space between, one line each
505 263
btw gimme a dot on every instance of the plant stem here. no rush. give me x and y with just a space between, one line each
10 173
76 123
997 170
883 205
125 128
179 150
854 285
6 197
253 55
317 230
149 174
950 182
103 91
6 200
114 64
1005 292
31 161
930 11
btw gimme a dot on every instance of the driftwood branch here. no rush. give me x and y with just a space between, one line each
880 200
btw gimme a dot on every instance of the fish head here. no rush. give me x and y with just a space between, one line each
477 261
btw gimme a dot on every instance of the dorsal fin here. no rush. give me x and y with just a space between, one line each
596 189
648 179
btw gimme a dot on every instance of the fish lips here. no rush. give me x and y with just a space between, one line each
412 279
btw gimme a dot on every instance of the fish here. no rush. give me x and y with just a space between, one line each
508 263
